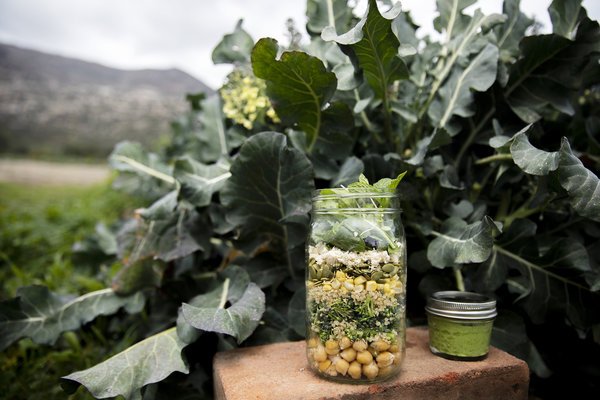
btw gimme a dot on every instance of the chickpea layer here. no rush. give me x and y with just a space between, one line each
354 359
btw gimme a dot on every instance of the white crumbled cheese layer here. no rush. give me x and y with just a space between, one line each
333 256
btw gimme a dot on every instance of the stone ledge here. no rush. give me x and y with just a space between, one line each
280 372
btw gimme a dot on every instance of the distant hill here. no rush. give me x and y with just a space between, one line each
57 105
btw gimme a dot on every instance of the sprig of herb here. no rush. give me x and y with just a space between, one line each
355 230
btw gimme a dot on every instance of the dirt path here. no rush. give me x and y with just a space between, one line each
51 173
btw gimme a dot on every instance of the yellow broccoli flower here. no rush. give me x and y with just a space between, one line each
245 100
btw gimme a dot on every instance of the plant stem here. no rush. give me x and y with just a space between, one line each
495 157
524 211
387 119
472 136
224 294
365 119
460 283
145 169
538 268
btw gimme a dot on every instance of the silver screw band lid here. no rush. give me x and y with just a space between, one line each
461 305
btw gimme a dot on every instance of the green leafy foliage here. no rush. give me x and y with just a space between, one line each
459 243
550 71
494 129
269 191
124 374
375 47
38 229
239 320
299 88
42 315
324 13
234 48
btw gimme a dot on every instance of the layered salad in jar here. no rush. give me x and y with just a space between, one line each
355 283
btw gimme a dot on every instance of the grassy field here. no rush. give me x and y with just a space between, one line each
38 227
40 224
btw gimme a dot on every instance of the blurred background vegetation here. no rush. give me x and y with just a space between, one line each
38 226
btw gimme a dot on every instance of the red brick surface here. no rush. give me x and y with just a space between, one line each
280 372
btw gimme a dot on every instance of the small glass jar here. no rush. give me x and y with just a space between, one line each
460 324
355 285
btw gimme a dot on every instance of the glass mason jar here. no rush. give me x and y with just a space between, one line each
355 285
460 324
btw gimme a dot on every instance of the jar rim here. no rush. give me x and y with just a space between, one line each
461 305
353 192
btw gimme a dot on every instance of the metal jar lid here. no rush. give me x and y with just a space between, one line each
461 305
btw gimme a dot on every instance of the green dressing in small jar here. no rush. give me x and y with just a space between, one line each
460 324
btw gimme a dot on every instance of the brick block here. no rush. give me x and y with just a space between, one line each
280 372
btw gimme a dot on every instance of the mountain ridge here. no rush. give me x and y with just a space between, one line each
52 104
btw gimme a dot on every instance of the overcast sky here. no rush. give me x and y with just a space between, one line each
135 34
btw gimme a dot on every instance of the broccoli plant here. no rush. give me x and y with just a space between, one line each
497 129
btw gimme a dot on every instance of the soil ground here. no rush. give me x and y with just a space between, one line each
51 173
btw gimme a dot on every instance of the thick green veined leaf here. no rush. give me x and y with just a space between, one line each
550 69
529 91
263 270
461 210
41 315
551 271
149 361
212 133
238 320
335 140
167 231
550 274
234 47
269 183
300 88
457 48
162 208
438 138
449 178
141 274
230 286
347 77
323 13
565 16
405 30
460 243
455 96
375 47
296 312
510 334
131 157
581 184
200 181
492 274
512 31
531 159
451 19
349 172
